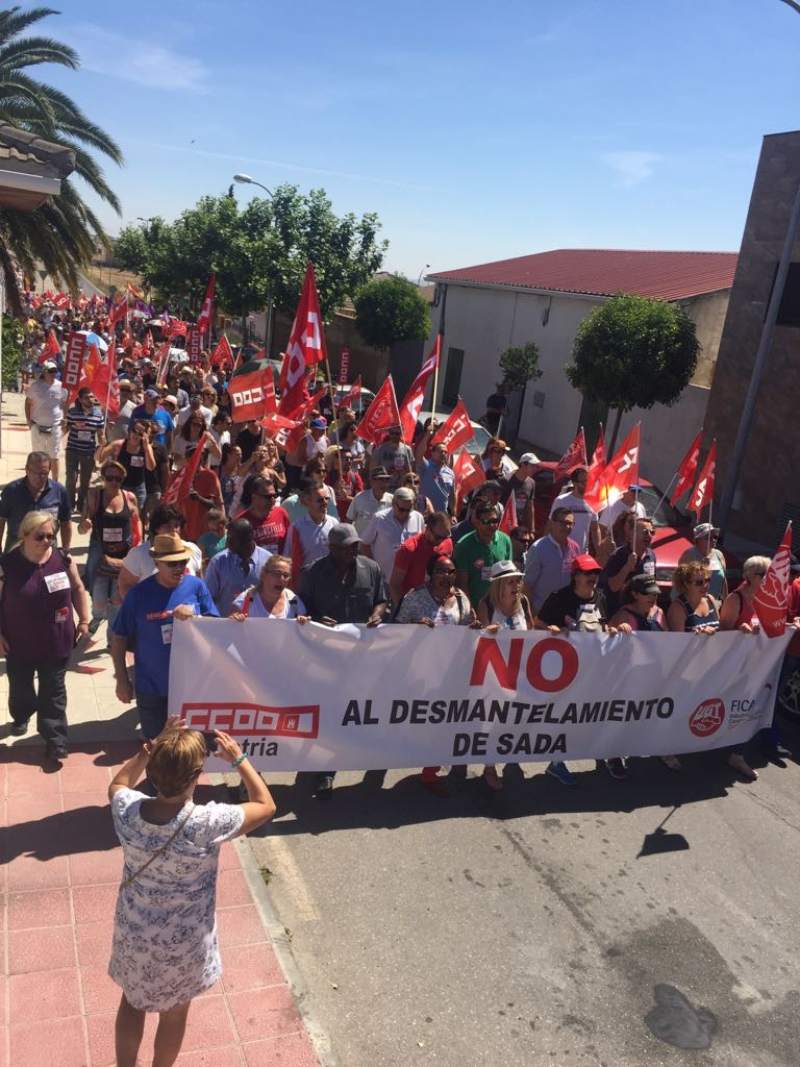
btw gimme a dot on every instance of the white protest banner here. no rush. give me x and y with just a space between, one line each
312 698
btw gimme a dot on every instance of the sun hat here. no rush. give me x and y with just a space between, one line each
504 568
169 548
703 529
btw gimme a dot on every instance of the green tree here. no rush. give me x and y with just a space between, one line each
63 233
258 253
634 352
391 309
13 337
520 365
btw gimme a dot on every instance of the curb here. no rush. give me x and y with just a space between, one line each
281 940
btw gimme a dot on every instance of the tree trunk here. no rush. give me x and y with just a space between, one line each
613 442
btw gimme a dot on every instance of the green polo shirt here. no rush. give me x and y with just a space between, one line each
475 558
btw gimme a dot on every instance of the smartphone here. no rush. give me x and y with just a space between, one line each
210 738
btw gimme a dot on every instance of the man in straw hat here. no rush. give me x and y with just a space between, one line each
145 620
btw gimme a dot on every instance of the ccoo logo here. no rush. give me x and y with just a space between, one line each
707 718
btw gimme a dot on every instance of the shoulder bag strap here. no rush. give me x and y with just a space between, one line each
159 850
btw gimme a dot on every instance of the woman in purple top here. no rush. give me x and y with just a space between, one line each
39 587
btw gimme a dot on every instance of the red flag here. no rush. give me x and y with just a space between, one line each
147 346
351 398
178 489
687 469
469 475
305 347
206 316
456 431
772 599
599 454
298 417
412 401
162 364
62 301
177 328
117 314
222 356
575 456
704 490
106 384
509 518
380 415
617 476
91 367
51 347
252 395
275 423
73 363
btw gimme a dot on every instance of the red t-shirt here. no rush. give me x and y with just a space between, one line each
269 532
206 484
413 555
792 611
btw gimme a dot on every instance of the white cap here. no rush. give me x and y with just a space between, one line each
529 457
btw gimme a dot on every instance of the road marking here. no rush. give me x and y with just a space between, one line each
288 870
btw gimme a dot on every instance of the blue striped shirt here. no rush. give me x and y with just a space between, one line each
82 428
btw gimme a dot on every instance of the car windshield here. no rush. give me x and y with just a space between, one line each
660 511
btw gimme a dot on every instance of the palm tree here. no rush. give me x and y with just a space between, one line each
63 233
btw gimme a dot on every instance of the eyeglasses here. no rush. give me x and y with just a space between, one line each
44 537
266 496
112 477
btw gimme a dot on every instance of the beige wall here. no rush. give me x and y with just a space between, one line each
708 314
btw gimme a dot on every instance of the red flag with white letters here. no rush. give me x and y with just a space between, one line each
351 398
413 400
704 490
305 347
772 599
598 460
380 415
469 475
575 456
687 469
73 363
222 356
206 316
252 395
456 431
621 472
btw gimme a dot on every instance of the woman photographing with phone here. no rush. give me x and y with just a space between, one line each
165 949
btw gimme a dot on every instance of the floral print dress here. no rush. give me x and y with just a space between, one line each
165 949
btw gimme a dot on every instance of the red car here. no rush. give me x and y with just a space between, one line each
673 528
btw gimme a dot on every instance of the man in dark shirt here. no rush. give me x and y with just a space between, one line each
522 485
343 587
496 406
35 492
634 557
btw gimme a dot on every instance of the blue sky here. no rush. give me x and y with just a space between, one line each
475 130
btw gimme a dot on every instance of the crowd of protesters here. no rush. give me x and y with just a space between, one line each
328 530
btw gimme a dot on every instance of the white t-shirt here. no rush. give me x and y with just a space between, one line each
609 515
139 561
364 505
47 402
584 514
292 606
385 534
184 414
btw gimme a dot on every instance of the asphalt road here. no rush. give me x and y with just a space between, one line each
545 925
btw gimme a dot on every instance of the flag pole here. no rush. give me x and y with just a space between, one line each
664 494
333 413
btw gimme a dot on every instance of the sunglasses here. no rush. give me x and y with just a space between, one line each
44 537
112 477
444 574
173 564
266 496
700 581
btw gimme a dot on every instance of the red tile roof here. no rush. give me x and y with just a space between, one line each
603 272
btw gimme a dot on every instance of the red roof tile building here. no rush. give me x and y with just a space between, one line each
543 298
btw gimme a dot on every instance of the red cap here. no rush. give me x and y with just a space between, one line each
585 564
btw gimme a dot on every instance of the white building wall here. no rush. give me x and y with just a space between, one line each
485 322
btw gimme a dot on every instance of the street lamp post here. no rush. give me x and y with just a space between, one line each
245 179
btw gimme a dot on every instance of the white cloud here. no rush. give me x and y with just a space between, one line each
632 167
146 62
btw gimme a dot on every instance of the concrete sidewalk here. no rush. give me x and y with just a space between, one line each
60 867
